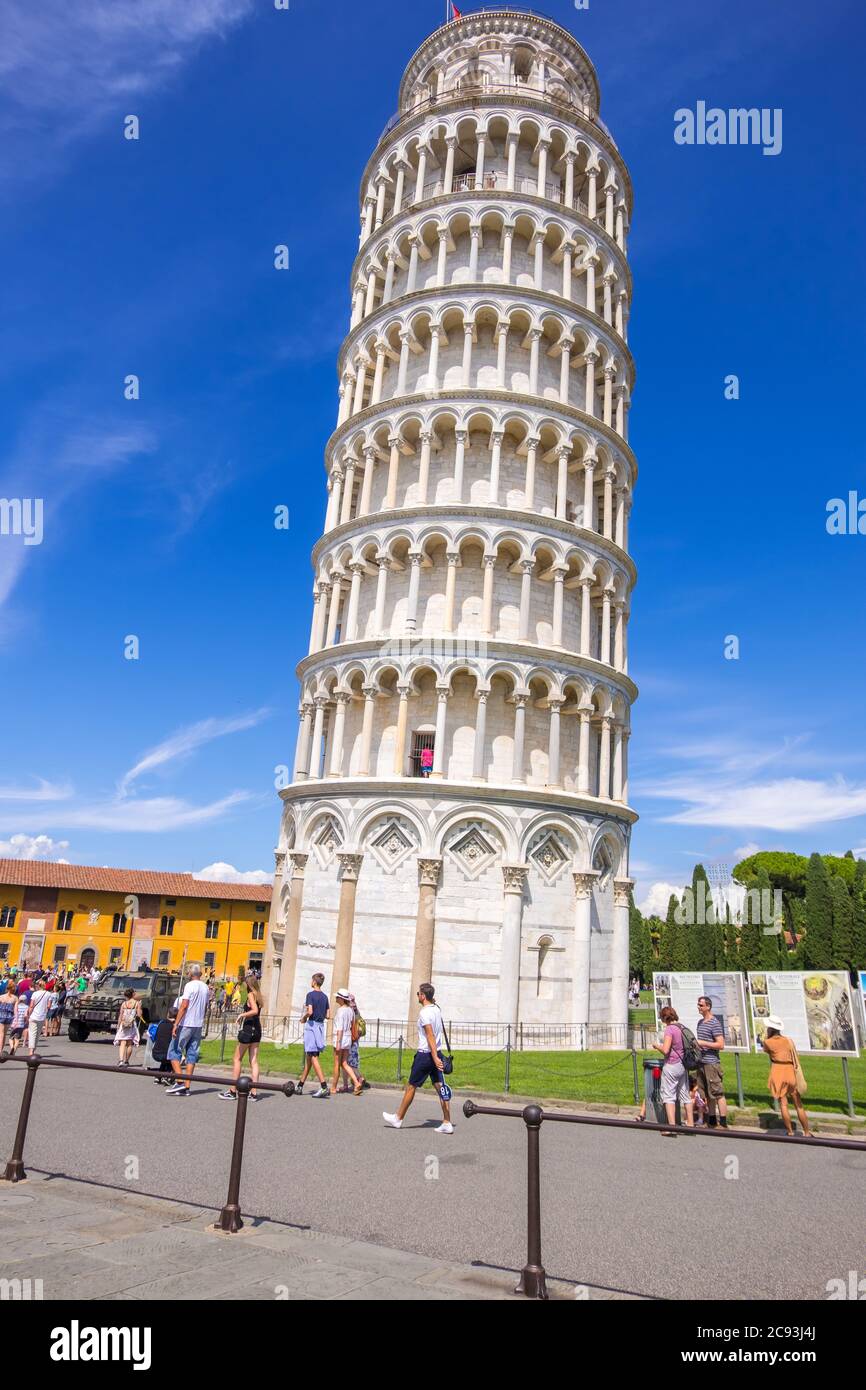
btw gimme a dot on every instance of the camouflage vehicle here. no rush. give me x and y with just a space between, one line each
97 1011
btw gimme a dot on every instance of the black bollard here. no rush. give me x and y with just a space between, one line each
15 1167
532 1277
230 1216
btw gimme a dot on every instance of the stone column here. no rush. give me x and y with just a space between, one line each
466 365
341 698
321 703
334 609
350 867
564 368
422 171
442 258
585 717
488 562
588 492
496 439
367 484
384 564
474 247
514 876
526 567
558 581
606 597
618 1007
617 762
302 757
442 693
426 438
581 962
589 405
534 340
274 951
501 354
448 185
402 371
357 568
553 777
453 560
393 468
400 739
415 559
519 737
367 729
626 735
609 476
585 615
529 487
296 862
562 458
604 758
333 516
480 730
459 462
592 193
425 930
398 191
479 160
543 147
569 178
507 251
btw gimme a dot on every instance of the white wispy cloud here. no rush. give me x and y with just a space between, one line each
42 791
67 65
790 803
146 814
227 873
185 741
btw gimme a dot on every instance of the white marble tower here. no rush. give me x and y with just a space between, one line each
473 580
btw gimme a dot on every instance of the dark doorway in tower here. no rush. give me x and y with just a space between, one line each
422 752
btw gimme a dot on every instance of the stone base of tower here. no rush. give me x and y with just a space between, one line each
516 909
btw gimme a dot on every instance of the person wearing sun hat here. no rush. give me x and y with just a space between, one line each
343 1020
783 1081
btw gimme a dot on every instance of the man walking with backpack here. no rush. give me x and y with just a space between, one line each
710 1076
427 1062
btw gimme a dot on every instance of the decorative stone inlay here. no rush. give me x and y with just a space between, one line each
550 856
473 852
391 845
327 842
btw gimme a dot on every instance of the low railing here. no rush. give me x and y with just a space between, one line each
229 1219
498 179
533 1279
285 1029
481 89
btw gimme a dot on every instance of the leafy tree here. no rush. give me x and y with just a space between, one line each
818 942
843 925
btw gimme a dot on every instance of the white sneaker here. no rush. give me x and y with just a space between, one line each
392 1120
446 1127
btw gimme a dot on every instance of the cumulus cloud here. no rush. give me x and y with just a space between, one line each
33 847
655 903
227 873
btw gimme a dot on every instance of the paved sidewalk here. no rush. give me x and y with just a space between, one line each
87 1241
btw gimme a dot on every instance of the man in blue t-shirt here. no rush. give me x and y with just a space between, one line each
710 1077
317 1010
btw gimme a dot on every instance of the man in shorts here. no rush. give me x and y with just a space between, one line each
186 1033
37 1013
317 1010
427 1063
711 1036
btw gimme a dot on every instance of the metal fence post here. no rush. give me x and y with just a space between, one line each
739 1066
847 1075
507 1058
634 1070
230 1217
15 1167
378 1021
223 1041
532 1277
400 1058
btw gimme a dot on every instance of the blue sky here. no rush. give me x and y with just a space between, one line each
155 257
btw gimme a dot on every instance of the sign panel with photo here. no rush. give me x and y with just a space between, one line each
815 1008
726 991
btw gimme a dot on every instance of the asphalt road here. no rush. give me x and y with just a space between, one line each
625 1210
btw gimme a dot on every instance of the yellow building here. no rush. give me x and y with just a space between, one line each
52 914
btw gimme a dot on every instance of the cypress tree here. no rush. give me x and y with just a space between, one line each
732 947
635 938
648 956
843 925
702 945
750 931
769 942
675 938
818 942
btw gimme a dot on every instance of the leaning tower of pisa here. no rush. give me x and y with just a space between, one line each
459 804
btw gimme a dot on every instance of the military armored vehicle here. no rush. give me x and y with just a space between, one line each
97 1011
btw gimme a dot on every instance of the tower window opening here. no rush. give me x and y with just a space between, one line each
423 745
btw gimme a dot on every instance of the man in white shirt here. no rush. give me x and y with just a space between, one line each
186 1033
37 1013
427 1062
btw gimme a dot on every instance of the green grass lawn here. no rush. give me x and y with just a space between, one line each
585 1076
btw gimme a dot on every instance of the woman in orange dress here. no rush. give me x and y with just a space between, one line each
782 1081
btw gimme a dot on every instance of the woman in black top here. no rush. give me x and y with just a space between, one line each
249 1036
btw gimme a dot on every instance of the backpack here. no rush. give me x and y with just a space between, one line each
691 1048
359 1028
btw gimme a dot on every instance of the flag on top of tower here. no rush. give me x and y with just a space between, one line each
453 12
